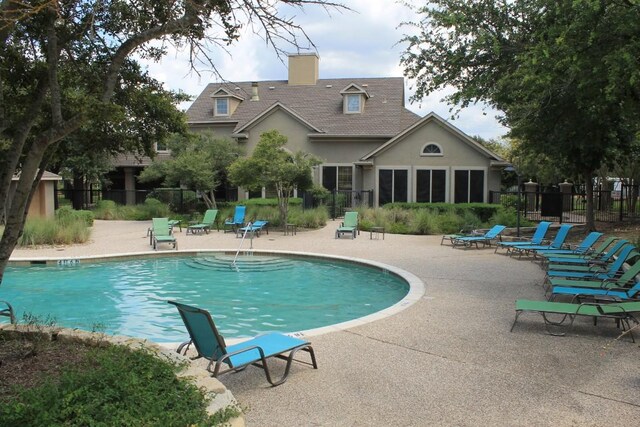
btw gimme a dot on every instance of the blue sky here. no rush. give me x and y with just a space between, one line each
358 43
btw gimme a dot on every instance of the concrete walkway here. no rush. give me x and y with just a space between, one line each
447 360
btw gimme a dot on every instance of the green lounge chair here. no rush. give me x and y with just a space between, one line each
349 225
536 239
207 223
621 312
162 233
485 239
587 264
211 345
232 224
616 294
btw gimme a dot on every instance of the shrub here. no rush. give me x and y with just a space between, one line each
509 217
424 222
65 229
67 215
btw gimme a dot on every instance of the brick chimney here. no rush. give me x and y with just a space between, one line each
303 69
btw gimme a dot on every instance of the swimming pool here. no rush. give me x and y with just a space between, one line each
259 294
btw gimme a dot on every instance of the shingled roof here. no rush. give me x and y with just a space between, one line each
320 105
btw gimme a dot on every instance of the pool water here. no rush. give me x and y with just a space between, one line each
256 295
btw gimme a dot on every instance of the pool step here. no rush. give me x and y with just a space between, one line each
225 263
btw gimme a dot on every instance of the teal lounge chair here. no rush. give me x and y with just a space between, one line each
599 256
587 264
578 287
206 225
465 231
349 225
598 273
485 239
253 228
162 233
232 224
622 312
536 239
581 249
257 351
557 243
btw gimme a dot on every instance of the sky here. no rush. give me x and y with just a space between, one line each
363 42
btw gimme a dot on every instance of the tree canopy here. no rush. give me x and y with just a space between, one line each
272 166
62 64
566 74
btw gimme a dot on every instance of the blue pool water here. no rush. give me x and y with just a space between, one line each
262 294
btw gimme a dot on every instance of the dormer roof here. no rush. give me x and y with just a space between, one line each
354 89
223 92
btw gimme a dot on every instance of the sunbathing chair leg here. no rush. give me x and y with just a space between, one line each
518 313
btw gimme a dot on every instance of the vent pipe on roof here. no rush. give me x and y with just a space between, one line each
254 92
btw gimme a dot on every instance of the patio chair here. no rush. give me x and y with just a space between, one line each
597 256
162 233
536 239
210 344
601 287
206 225
621 312
557 243
464 232
349 225
485 239
585 263
232 224
584 247
599 272
253 228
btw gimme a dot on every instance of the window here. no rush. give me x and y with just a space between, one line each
431 149
431 185
161 147
469 186
222 107
337 178
393 186
353 103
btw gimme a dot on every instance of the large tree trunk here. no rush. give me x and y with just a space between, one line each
590 222
78 199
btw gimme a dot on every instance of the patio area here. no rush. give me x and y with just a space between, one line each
449 359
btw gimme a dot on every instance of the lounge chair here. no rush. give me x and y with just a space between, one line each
349 225
557 243
581 249
162 233
465 231
210 344
615 287
232 224
622 312
253 228
598 272
585 263
536 239
206 225
597 256
485 239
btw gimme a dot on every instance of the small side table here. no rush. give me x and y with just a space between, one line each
376 231
290 228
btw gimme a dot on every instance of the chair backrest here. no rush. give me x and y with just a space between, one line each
495 231
161 226
351 219
588 241
238 216
203 332
210 216
540 232
604 245
628 252
561 236
614 249
259 224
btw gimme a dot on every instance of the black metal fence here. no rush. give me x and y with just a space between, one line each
609 205
339 201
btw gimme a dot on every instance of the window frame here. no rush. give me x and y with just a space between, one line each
485 184
447 182
337 166
439 154
216 112
409 186
349 96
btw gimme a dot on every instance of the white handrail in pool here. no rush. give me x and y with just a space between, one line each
244 235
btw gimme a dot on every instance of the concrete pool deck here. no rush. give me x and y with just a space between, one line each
448 359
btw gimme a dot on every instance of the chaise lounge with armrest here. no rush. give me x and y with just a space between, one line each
232 224
536 239
485 239
557 243
206 225
254 228
209 344
349 225
162 233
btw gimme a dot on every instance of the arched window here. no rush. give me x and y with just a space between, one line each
431 149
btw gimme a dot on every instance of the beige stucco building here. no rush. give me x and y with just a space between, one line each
43 201
359 128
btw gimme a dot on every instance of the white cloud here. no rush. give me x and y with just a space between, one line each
363 43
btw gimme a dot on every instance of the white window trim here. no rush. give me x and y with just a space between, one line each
447 181
350 165
469 168
216 113
410 187
155 147
423 154
346 103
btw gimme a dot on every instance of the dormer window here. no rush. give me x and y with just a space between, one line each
353 98
222 107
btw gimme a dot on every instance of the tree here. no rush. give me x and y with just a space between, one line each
565 73
199 162
62 62
272 166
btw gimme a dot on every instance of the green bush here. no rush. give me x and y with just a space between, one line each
66 228
509 217
152 208
113 386
484 211
67 215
